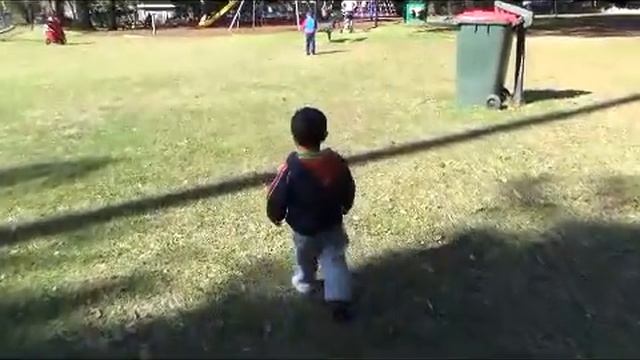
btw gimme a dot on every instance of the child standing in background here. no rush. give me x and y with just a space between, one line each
309 26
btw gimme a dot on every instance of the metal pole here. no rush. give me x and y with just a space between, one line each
518 91
297 16
236 17
375 16
261 13
253 23
32 17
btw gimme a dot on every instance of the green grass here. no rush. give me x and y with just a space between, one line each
521 243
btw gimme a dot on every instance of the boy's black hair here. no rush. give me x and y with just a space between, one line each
309 127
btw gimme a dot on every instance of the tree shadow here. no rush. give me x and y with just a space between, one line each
587 26
17 232
570 291
537 95
52 173
22 312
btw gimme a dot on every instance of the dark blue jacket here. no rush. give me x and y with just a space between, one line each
312 192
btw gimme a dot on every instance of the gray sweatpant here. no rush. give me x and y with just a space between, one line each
326 249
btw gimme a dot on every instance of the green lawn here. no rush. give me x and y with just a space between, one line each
520 242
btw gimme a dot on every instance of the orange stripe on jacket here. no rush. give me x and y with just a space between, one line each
281 170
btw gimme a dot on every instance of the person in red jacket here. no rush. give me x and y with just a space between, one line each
53 31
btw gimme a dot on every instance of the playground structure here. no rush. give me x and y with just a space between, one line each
207 20
261 13
6 23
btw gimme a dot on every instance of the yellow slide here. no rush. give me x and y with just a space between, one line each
205 22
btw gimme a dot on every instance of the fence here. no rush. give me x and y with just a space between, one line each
453 7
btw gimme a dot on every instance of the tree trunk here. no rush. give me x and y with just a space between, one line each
30 15
112 15
375 14
84 17
19 7
57 7
431 8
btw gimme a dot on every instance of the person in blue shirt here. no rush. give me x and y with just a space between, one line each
310 26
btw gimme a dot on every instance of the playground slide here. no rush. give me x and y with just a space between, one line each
7 29
206 22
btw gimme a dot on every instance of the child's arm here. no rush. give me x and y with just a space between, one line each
277 196
349 190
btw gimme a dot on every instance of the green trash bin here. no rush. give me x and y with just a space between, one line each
483 48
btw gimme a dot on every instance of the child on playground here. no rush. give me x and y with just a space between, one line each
310 26
313 190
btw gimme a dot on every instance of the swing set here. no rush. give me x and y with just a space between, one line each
261 12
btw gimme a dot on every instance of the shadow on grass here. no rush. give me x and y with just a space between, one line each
79 43
620 191
570 291
436 29
587 26
52 173
12 233
349 40
23 313
16 39
330 52
537 95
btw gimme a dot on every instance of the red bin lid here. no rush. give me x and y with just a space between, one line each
488 17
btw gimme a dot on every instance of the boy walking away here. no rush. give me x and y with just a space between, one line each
310 27
313 190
